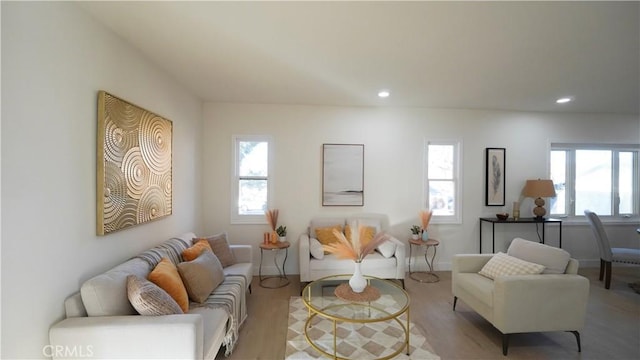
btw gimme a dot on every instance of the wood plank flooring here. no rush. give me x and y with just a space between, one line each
612 328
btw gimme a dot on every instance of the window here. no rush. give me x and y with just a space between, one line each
442 181
601 178
251 183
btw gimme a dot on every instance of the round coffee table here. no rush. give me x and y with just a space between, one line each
323 304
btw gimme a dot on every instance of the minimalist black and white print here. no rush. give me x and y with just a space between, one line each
495 176
342 175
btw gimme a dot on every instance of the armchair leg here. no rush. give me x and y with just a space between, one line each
505 344
607 274
601 269
577 335
402 281
455 301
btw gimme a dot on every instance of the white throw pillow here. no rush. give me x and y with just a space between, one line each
554 259
502 264
387 248
315 248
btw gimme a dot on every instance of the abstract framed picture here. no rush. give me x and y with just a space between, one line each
495 176
134 165
343 175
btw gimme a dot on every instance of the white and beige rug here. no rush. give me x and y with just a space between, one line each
355 341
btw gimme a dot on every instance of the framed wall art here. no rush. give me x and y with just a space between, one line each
343 175
134 165
495 176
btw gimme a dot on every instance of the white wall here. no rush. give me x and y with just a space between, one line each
55 58
394 140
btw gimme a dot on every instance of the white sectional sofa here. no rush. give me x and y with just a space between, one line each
390 265
101 321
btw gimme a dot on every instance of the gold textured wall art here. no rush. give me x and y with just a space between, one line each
134 165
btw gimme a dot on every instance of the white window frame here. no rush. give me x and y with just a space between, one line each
570 148
456 218
236 217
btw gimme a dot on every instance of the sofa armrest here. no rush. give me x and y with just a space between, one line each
242 253
547 302
469 263
401 257
128 337
304 256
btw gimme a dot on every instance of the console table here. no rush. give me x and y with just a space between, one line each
494 221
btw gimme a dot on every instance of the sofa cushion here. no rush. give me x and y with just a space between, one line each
374 222
554 259
166 276
194 251
502 264
315 248
201 275
149 299
106 294
220 247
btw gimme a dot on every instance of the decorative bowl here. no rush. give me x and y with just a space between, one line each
502 216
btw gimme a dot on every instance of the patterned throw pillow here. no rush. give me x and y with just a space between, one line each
149 299
201 276
502 264
193 252
220 247
166 276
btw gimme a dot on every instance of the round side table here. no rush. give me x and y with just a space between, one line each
424 276
274 281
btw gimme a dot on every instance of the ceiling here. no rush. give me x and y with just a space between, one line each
468 55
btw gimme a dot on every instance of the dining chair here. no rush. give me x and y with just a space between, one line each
607 253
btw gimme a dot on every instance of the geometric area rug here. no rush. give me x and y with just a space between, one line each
355 341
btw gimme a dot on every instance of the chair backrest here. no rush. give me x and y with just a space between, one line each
600 235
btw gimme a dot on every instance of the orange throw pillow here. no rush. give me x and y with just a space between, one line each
326 236
369 234
193 252
166 276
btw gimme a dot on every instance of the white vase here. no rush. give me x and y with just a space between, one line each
415 236
357 281
283 238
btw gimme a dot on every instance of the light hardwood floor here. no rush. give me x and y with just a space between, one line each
612 328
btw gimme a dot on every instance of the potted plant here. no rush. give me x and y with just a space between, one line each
415 232
282 233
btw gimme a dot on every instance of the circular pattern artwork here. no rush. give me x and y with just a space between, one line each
135 169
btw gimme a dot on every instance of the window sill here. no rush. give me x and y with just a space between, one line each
606 220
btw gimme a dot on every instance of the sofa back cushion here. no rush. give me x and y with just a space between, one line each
106 294
554 259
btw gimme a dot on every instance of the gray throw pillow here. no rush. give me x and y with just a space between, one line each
221 249
201 276
149 299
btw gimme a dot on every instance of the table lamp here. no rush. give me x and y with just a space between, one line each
538 189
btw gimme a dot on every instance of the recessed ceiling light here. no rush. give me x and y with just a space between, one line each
564 100
384 93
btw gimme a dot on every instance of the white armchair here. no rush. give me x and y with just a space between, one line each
390 265
555 300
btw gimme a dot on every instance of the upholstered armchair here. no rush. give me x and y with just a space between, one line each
532 288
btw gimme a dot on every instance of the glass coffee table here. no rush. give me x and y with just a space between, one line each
331 308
